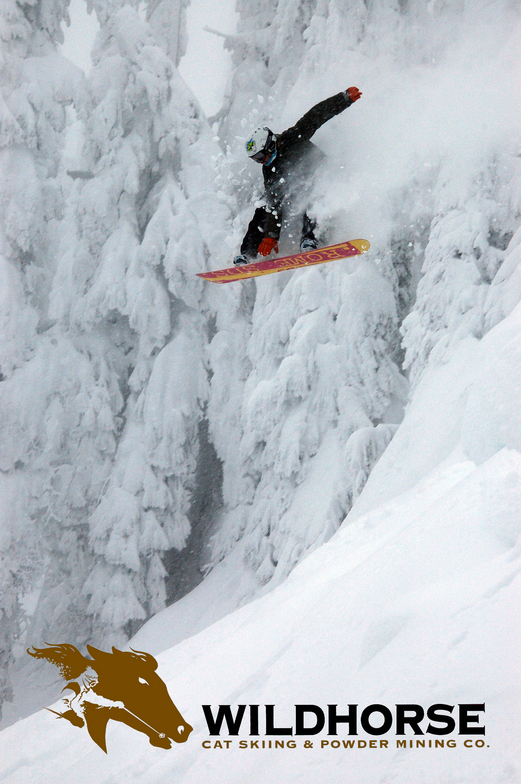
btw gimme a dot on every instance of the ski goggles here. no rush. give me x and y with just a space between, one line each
261 156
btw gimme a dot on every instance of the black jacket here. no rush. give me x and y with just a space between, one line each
288 177
296 157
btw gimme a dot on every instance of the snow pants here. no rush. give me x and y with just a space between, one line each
257 231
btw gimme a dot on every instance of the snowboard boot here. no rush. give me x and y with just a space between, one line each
308 244
240 260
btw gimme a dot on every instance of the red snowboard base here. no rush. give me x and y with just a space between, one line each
320 256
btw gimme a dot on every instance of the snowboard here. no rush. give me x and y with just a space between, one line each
343 250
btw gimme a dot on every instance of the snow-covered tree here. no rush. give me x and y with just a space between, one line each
319 368
465 248
126 293
104 376
168 21
312 354
36 87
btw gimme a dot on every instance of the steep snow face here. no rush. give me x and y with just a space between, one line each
414 602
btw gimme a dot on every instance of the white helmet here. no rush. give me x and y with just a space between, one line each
261 145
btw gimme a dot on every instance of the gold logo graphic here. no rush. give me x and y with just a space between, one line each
123 686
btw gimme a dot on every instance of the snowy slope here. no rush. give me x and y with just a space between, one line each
415 601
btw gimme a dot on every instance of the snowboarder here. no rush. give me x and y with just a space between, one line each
287 163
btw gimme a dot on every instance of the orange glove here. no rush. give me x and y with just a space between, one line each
267 245
354 93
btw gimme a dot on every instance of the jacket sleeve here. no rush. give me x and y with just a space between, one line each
304 129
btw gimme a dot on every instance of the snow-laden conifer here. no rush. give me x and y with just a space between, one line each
464 251
37 85
313 361
126 289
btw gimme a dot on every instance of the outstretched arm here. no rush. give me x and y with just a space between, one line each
307 125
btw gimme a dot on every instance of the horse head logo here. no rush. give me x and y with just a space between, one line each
122 685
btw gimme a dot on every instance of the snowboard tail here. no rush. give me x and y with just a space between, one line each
343 250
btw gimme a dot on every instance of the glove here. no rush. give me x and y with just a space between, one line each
267 245
353 93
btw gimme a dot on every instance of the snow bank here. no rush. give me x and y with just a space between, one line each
414 602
